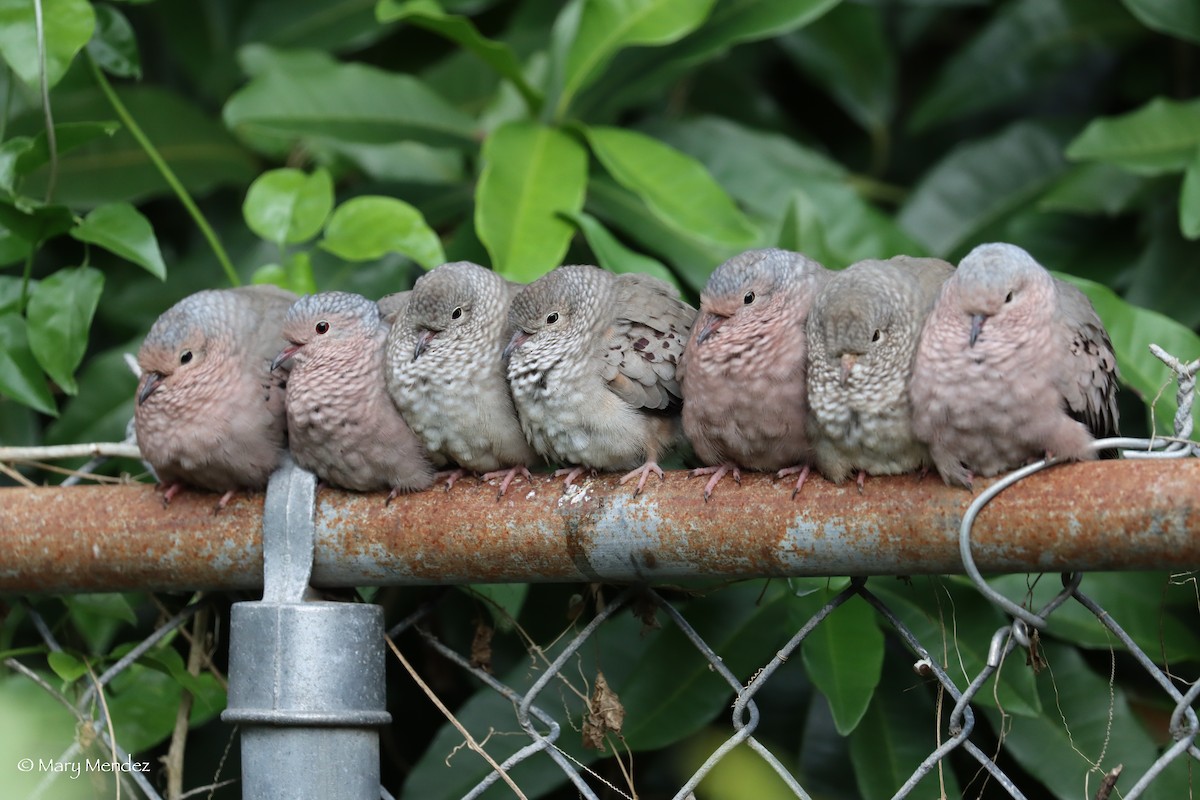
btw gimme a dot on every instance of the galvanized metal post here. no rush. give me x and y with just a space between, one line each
306 678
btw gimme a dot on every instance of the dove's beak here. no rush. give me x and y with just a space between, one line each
519 338
423 340
153 380
977 321
711 323
285 355
848 362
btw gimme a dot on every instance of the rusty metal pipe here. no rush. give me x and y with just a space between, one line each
1112 515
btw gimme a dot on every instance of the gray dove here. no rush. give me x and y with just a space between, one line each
862 334
444 370
591 366
743 370
1013 365
342 425
210 409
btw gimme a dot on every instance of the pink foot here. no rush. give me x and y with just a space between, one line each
803 471
509 476
224 501
717 474
572 473
644 470
862 478
170 491
451 477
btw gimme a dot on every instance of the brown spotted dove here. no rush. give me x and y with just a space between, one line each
591 365
1013 365
445 372
342 425
210 410
862 334
743 370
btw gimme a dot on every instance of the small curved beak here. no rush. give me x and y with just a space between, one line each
285 355
152 382
711 323
848 362
423 340
519 338
977 321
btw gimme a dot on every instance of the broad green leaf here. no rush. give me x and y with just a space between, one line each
801 230
886 748
497 55
1160 137
823 764
1189 199
116 169
20 376
120 228
502 600
1154 279
607 26
286 206
66 666
104 404
1023 48
347 102
1093 188
740 774
67 25
13 249
676 187
144 701
60 314
847 54
979 183
332 25
1132 330
368 227
21 155
114 46
531 175
1172 17
849 635
613 255
36 224
37 726
406 162
298 269
100 616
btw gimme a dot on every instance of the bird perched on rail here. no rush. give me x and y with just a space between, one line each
444 370
342 425
743 370
210 408
862 333
591 365
1013 365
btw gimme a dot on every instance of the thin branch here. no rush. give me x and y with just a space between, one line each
174 758
52 452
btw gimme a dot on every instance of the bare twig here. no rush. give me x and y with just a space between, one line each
173 761
52 452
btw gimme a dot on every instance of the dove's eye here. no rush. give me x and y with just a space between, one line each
875 337
552 318
185 356
749 298
322 327
456 313
1008 297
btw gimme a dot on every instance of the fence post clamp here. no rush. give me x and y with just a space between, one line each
306 677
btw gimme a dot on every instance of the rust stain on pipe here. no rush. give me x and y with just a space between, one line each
1125 515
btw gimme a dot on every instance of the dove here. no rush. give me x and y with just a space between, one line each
591 366
210 408
743 370
862 334
1013 365
342 424
444 370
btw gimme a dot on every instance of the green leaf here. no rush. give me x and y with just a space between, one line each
1189 199
502 600
66 666
143 703
67 25
331 25
21 155
979 183
1174 18
849 635
531 175
114 46
847 54
286 206
60 313
1093 188
607 26
104 404
1024 47
676 187
1160 137
346 102
368 227
20 376
429 15
36 224
614 256
120 228
801 230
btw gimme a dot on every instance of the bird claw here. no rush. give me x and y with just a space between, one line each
862 478
169 493
572 473
224 501
451 477
644 471
717 473
803 471
509 476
